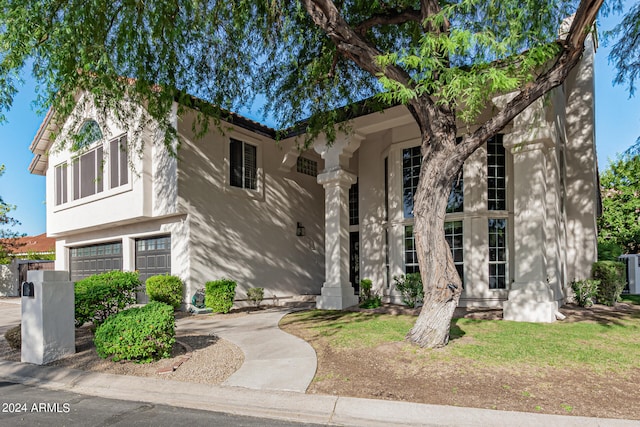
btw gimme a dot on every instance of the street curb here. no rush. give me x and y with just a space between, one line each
290 406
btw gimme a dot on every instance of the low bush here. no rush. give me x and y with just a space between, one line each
142 334
611 275
99 296
410 286
368 297
586 291
166 289
14 337
219 295
255 295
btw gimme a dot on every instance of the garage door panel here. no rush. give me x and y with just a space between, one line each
86 261
153 257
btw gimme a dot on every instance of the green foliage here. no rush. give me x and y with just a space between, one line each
14 337
219 295
166 289
618 225
586 291
7 236
368 297
611 275
608 250
411 288
255 295
99 296
142 334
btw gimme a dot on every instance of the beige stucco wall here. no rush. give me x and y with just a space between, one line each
582 187
250 236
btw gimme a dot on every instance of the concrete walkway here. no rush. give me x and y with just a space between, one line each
273 359
274 362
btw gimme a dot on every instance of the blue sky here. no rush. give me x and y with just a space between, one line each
617 128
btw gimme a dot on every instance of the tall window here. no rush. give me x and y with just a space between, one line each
410 254
411 159
61 184
353 204
243 165
118 162
456 197
496 174
87 174
453 234
498 253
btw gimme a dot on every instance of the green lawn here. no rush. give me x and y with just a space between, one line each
633 299
611 344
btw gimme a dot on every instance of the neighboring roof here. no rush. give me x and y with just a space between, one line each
36 244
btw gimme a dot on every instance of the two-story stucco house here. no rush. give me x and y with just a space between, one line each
521 221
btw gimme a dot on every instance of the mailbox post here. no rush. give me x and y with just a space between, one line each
48 327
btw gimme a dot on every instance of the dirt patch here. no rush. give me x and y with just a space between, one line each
400 371
205 358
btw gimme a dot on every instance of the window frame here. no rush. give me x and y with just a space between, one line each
258 193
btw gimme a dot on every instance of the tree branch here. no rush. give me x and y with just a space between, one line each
389 18
572 48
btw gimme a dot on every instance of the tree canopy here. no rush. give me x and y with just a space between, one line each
620 220
445 60
7 223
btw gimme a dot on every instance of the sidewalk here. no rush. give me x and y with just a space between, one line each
276 363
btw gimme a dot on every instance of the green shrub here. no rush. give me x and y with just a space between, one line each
609 251
586 291
612 280
255 295
101 295
142 334
219 295
410 286
368 297
14 337
166 289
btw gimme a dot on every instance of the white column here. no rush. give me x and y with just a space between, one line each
337 292
530 297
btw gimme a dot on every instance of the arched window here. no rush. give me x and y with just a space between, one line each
88 134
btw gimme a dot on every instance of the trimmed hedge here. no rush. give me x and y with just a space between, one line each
166 289
142 334
219 295
101 295
611 275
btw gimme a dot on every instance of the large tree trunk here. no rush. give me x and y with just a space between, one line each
441 282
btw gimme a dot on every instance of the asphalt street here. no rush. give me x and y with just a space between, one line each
22 405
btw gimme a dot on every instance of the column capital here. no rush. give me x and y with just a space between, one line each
336 176
338 153
534 138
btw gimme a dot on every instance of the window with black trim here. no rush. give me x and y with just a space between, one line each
454 236
243 165
498 256
496 174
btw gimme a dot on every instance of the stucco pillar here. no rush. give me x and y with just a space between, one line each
48 326
530 297
337 292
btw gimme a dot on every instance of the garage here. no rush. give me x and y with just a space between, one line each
153 257
94 259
